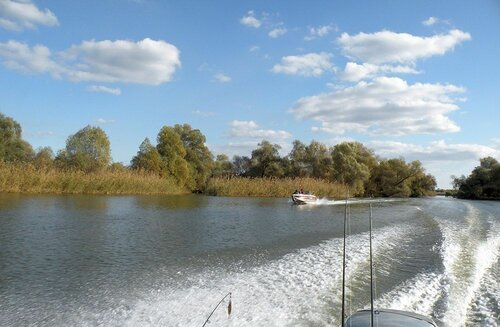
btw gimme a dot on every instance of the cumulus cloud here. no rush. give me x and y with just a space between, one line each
277 32
318 32
436 151
440 158
386 105
222 78
35 60
250 20
18 15
310 64
250 129
386 46
354 72
430 21
144 62
104 89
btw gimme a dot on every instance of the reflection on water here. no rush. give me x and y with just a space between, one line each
157 260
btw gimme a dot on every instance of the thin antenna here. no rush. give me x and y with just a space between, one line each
343 262
371 270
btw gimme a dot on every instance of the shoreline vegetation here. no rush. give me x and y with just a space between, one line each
27 178
272 187
180 163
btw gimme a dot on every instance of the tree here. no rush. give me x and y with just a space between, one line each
12 147
299 164
148 159
483 182
319 160
172 152
222 166
44 157
198 155
241 165
265 160
396 178
352 163
87 150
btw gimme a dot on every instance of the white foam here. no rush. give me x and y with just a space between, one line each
300 288
466 259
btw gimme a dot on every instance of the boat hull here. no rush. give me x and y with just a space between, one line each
304 198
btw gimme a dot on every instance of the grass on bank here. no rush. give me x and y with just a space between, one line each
273 187
26 178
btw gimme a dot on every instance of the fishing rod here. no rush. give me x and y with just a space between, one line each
229 307
343 262
371 271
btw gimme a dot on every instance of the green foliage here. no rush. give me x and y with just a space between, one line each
222 166
172 151
396 178
198 156
482 183
265 161
87 150
12 147
241 165
148 159
352 165
44 157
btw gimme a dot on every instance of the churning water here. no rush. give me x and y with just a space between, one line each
167 261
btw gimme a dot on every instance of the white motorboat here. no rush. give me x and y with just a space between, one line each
301 198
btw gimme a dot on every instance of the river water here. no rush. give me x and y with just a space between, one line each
167 261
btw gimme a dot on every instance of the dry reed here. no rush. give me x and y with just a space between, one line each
26 178
272 187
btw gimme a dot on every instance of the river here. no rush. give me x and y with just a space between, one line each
167 261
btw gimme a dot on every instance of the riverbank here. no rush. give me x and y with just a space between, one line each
272 187
26 178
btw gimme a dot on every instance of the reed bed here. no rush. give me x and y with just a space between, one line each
26 178
273 187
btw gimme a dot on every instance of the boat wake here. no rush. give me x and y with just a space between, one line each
302 288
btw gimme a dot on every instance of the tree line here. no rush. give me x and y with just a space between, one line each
180 152
482 183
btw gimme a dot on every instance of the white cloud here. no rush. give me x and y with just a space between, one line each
317 32
102 121
386 105
220 77
439 158
430 21
250 20
436 151
18 15
144 62
311 64
277 32
34 60
254 48
250 129
386 46
354 72
104 89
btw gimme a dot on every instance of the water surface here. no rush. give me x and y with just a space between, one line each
166 261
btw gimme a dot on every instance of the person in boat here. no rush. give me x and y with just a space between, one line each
301 191
296 192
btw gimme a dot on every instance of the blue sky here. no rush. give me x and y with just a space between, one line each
416 79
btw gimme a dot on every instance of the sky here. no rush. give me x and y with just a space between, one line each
410 79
